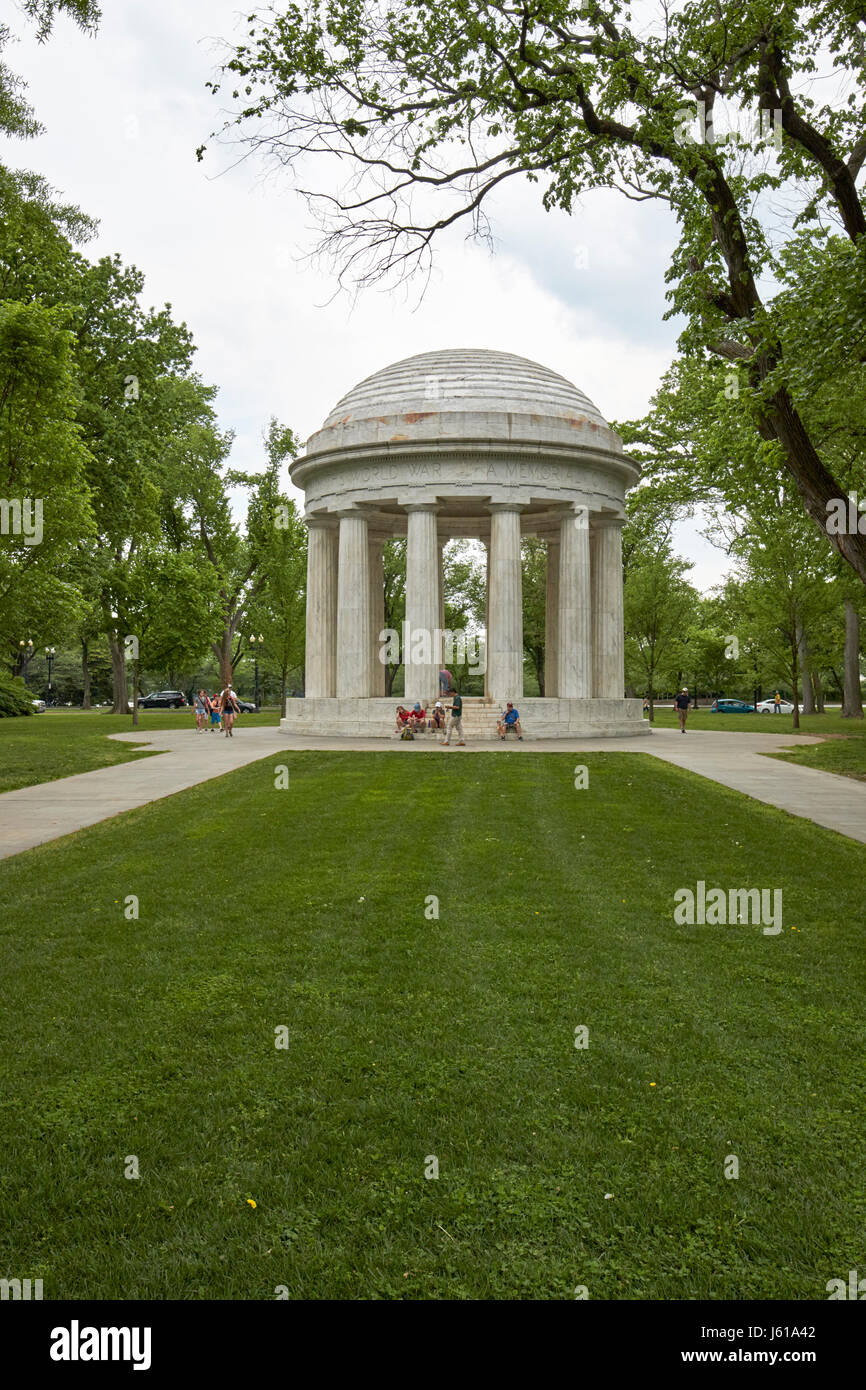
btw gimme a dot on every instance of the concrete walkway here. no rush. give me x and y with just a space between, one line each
33 815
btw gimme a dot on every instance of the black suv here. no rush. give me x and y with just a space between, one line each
163 699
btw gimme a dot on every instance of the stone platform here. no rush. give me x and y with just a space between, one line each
540 718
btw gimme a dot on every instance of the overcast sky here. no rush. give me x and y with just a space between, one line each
124 114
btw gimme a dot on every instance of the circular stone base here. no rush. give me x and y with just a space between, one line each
539 718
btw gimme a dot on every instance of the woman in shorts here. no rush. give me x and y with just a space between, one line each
228 709
200 707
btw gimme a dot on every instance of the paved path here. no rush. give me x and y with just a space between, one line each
33 815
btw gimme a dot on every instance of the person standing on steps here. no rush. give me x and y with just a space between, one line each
682 707
456 721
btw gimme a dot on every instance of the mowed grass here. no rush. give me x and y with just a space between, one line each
412 1036
843 752
60 743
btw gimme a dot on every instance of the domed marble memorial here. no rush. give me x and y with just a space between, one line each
465 443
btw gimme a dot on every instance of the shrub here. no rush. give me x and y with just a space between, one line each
15 698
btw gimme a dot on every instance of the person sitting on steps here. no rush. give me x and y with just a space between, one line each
510 719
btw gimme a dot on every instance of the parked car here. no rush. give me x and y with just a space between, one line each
768 706
38 706
245 706
163 699
731 707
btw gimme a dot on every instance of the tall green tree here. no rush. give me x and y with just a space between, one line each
278 611
659 607
165 609
130 359
45 498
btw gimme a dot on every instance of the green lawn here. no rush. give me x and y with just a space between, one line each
61 742
410 1038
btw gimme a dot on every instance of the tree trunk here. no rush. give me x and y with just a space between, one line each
808 690
118 675
283 677
795 680
852 702
819 692
222 650
135 693
816 484
85 671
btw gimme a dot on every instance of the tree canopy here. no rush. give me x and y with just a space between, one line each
399 121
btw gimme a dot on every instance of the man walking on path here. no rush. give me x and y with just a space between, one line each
456 722
682 707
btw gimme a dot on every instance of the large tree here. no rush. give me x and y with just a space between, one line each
131 363
424 111
44 495
660 612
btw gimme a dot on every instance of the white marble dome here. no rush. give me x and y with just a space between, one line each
459 426
466 393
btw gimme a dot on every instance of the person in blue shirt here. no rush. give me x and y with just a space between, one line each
510 720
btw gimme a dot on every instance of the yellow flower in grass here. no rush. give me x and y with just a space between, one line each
250 1202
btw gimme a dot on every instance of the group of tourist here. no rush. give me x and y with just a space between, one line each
416 720
216 712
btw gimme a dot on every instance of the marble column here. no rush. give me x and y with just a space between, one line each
377 615
440 650
353 609
321 646
486 617
608 658
575 636
422 605
551 622
505 606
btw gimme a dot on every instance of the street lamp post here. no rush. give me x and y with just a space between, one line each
27 650
49 656
255 649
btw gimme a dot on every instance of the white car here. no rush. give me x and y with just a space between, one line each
38 706
769 707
